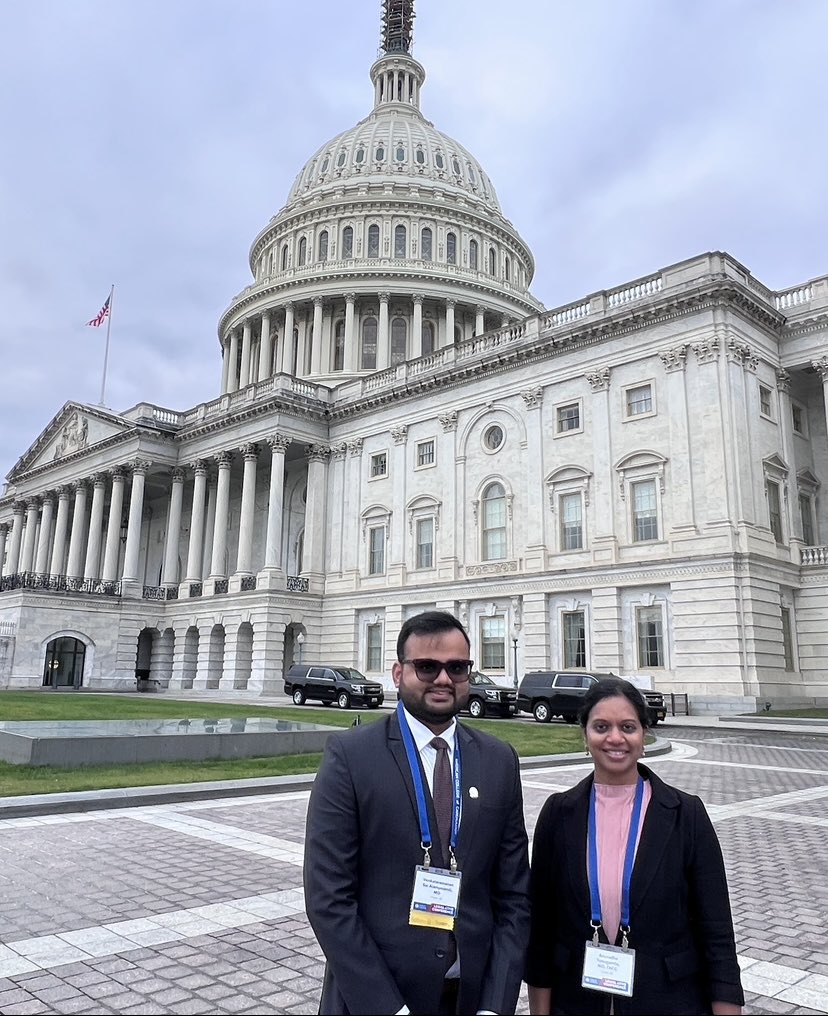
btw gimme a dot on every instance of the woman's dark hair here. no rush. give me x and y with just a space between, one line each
430 622
612 687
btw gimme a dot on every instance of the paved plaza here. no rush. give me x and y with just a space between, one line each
197 907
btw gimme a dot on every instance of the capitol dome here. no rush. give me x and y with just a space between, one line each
391 245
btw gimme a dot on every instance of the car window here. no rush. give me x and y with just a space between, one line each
588 682
316 673
568 681
349 674
478 678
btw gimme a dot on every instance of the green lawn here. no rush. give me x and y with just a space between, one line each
529 738
812 712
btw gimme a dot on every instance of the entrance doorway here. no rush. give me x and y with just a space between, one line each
64 663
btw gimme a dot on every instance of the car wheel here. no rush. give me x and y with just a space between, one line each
570 718
540 710
299 697
476 709
343 700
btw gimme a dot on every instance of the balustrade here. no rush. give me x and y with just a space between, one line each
58 584
297 584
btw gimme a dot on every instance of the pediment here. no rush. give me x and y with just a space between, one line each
74 429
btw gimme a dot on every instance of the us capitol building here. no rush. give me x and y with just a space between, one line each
630 483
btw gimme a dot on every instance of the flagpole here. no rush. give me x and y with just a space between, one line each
106 349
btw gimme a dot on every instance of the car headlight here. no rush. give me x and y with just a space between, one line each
492 694
358 688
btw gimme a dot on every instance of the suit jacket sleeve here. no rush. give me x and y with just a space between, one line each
710 909
332 848
510 903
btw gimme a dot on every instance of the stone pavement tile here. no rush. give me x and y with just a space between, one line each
193 980
769 979
280 1000
82 1005
812 992
33 1006
238 978
170 995
86 977
215 992
111 965
11 995
304 983
56 993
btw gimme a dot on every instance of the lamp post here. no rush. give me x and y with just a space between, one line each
514 647
300 641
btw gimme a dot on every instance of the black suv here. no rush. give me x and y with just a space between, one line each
343 685
548 693
486 697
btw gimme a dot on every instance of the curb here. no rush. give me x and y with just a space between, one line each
33 805
796 721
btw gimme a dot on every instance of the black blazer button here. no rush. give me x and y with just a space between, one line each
440 954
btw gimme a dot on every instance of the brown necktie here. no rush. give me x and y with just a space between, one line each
443 795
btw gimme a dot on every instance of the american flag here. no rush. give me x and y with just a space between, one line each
101 316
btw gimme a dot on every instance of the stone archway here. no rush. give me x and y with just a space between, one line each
189 657
161 661
244 656
215 657
64 662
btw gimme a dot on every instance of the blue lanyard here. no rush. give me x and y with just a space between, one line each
629 859
419 792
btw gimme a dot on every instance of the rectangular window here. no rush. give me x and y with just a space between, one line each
425 543
373 647
493 643
569 417
797 418
572 528
574 639
376 550
425 453
807 516
639 400
787 639
765 404
774 509
379 464
645 517
650 629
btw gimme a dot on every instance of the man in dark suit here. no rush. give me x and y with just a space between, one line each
365 840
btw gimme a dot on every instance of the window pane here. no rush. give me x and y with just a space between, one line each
569 417
787 639
369 344
451 248
373 647
399 331
339 346
425 453
807 517
428 338
645 518
425 244
473 254
493 643
425 543
323 245
347 242
574 639
765 400
379 463
650 637
774 510
494 523
572 537
303 250
376 555
399 242
639 400
373 241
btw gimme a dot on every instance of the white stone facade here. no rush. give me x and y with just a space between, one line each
629 483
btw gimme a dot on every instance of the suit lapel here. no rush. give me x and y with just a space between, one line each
397 749
659 823
472 777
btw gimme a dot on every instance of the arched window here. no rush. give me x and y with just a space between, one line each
284 256
359 158
63 666
369 344
339 346
303 251
425 244
493 505
348 242
473 254
492 261
323 245
428 338
507 268
373 241
451 248
295 355
399 155
399 334
399 242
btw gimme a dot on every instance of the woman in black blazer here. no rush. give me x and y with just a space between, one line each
678 920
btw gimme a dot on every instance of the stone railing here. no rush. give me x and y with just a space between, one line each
248 583
576 312
220 586
813 556
296 584
649 287
58 584
793 297
195 590
7 629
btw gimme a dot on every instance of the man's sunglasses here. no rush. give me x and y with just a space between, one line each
430 670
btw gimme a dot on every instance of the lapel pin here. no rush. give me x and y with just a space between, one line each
473 792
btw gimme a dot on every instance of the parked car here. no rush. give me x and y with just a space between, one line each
323 683
486 697
548 693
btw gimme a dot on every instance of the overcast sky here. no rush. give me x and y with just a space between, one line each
146 142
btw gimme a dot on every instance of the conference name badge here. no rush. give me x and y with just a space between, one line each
436 898
609 968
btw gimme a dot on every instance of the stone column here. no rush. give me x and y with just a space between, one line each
42 561
450 305
606 541
244 376
113 528
265 349
244 557
169 571
16 537
61 527
136 517
286 352
76 539
225 364
4 531
301 346
273 543
217 570
196 522
27 557
314 546
209 524
232 370
93 546
350 338
534 559
316 338
383 337
479 320
821 367
417 327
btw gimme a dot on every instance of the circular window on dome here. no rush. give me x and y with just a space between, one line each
419 157
400 154
379 155
493 438
455 165
359 158
341 159
439 161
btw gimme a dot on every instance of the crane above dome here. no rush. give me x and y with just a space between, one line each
397 25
